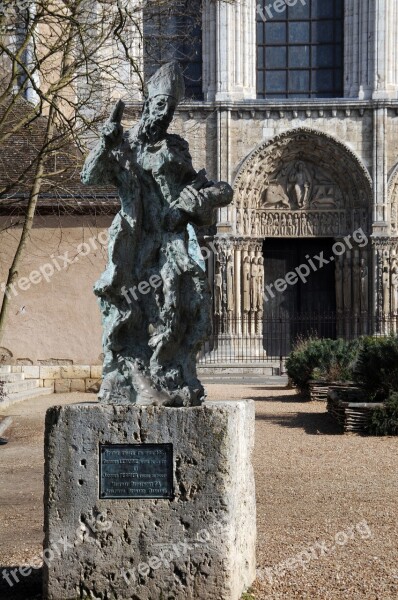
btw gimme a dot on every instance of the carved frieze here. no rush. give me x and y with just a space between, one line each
294 223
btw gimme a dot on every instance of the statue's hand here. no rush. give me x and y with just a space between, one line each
188 197
112 134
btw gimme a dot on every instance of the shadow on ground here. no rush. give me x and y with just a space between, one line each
311 423
273 388
22 588
293 397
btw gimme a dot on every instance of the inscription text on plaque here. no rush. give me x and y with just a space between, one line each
136 471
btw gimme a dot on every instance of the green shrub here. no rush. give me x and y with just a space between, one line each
325 359
384 421
376 367
248 596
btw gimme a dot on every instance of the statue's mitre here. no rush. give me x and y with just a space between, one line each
167 81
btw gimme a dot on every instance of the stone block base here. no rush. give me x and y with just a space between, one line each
200 545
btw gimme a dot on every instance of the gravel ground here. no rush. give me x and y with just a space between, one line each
326 502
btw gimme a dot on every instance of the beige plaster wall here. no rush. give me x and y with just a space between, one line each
58 319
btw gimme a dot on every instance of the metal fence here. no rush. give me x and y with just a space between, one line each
240 341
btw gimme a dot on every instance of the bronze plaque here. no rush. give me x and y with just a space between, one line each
131 471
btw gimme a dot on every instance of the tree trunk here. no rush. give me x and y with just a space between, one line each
28 221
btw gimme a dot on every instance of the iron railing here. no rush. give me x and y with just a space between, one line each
243 341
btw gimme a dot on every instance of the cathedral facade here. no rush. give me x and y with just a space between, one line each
299 113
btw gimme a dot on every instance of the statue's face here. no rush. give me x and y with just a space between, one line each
160 112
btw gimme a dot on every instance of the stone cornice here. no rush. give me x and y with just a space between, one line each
287 106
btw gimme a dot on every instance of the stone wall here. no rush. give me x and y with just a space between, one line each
63 379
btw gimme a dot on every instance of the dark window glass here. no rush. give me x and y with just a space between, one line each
275 33
338 32
323 79
299 56
322 32
322 9
276 57
299 81
275 81
260 80
299 32
260 57
324 56
300 48
276 96
338 56
173 32
300 11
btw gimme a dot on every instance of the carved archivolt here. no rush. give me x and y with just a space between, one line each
302 182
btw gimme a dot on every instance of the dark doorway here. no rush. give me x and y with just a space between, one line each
306 307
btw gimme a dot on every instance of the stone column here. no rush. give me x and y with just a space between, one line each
238 287
356 289
347 293
394 289
210 269
386 287
246 272
253 290
380 170
359 25
225 297
230 285
385 68
209 52
224 173
383 282
339 296
260 293
364 290
229 50
371 53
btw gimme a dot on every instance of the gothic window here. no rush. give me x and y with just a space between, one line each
300 49
173 31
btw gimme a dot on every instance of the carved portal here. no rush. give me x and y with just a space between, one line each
302 183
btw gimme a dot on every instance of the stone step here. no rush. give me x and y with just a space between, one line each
5 369
25 395
11 377
21 386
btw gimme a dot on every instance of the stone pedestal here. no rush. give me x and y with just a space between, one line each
198 545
